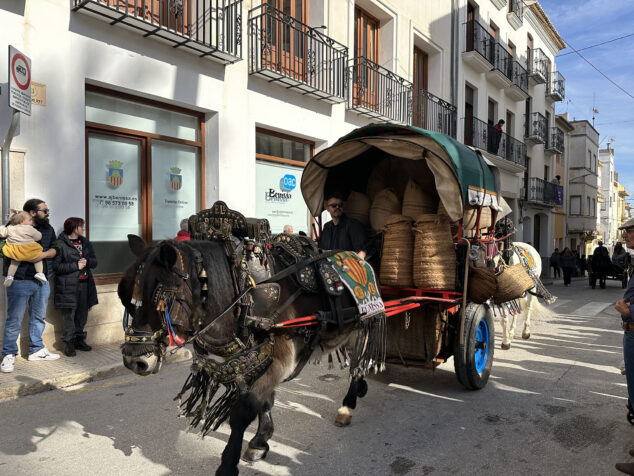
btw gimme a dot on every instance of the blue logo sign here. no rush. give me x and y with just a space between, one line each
288 183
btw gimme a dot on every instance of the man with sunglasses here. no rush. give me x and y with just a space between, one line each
343 232
27 291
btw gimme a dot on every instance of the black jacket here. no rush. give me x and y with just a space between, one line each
67 272
348 235
26 270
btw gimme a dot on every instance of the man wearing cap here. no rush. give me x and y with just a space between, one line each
625 307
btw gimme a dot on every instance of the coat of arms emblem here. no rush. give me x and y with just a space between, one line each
115 173
176 180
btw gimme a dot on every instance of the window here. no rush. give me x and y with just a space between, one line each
588 212
589 160
594 207
603 207
280 160
575 205
419 83
144 162
594 162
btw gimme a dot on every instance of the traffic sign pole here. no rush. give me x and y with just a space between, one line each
6 150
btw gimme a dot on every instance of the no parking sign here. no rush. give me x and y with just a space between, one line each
19 81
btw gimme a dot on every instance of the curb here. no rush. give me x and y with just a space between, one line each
105 372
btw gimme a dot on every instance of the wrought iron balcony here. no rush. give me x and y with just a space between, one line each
555 143
484 136
536 128
556 89
479 47
515 16
537 190
377 92
285 50
518 91
208 28
502 72
432 113
538 66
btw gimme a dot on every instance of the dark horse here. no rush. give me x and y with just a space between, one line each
184 271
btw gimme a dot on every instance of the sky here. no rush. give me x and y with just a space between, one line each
583 23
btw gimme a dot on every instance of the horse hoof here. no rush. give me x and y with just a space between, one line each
506 346
251 455
343 420
526 335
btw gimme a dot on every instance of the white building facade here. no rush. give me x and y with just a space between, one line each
509 74
609 204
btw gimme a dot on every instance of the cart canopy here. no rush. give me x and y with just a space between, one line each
461 175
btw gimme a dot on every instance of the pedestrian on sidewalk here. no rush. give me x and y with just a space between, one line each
625 307
28 291
183 233
568 265
555 261
75 290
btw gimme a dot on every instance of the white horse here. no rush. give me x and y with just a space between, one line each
527 305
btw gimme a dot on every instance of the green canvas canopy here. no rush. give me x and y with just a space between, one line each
461 175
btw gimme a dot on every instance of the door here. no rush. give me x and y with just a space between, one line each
366 81
468 115
471 15
286 38
529 53
420 84
171 15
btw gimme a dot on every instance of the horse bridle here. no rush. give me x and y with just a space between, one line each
170 302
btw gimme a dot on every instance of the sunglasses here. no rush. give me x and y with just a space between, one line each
336 205
45 211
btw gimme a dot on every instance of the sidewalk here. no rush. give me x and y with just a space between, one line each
101 363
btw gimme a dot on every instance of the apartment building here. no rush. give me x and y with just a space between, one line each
509 74
608 196
583 186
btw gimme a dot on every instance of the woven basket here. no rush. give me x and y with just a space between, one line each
398 249
358 207
471 215
512 282
482 284
434 254
417 201
453 224
384 205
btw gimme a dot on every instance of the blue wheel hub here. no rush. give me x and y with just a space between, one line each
482 345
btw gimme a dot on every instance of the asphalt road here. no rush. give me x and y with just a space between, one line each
555 404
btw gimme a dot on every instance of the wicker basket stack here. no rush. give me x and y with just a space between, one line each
434 255
398 246
384 205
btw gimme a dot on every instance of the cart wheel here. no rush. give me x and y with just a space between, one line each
473 359
624 280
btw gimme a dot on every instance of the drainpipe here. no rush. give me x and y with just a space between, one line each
453 79
6 150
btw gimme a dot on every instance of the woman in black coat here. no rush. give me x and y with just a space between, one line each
75 290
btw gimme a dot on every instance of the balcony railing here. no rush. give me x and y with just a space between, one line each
484 136
536 128
538 66
555 141
479 40
515 15
208 28
283 49
540 191
556 89
520 76
432 113
377 92
503 60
